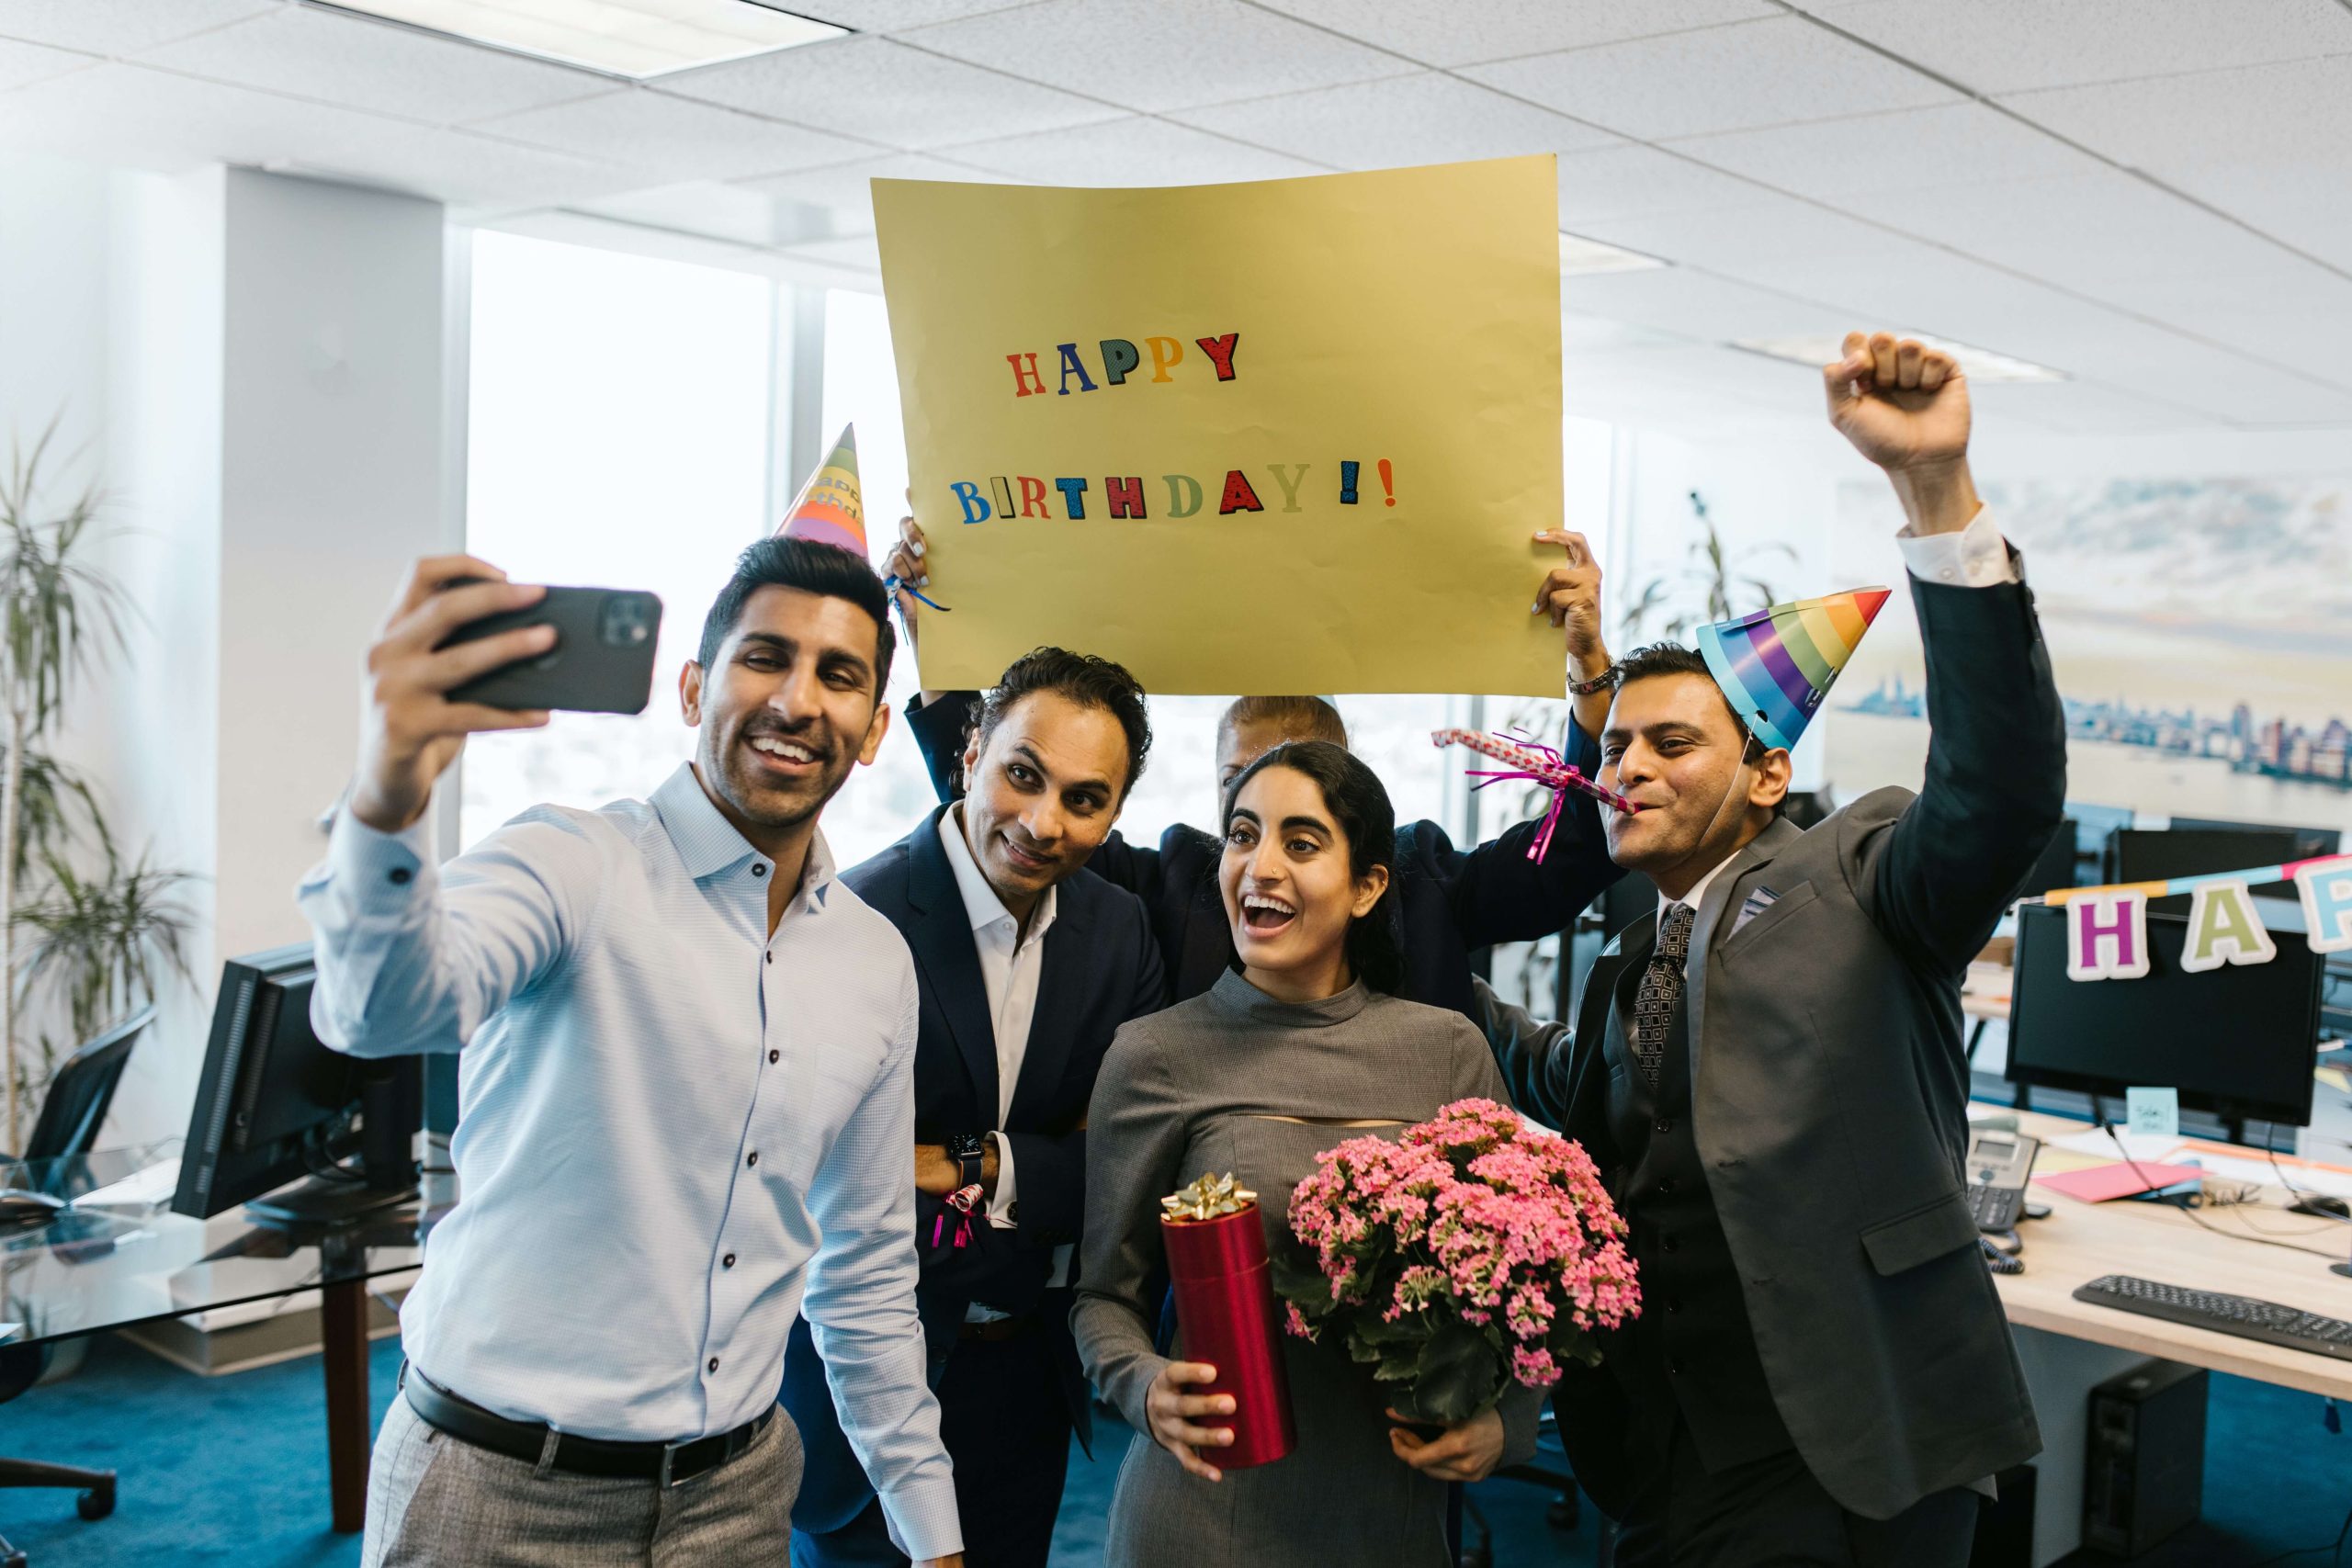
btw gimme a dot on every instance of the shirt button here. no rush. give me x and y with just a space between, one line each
774 1057
1673 1368
759 869
727 1262
752 1158
1667 1244
1666 1185
1945 573
771 957
399 876
711 1365
1673 1305
1662 1126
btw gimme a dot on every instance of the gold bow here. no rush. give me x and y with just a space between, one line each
1208 1197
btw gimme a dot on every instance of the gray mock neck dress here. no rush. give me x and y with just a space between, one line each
1234 1080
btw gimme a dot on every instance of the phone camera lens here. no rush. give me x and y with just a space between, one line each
627 621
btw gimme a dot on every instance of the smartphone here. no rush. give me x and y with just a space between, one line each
601 660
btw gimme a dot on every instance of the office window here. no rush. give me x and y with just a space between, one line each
618 420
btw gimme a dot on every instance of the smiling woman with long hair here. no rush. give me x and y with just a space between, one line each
1299 1049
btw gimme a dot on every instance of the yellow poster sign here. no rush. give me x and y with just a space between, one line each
1285 436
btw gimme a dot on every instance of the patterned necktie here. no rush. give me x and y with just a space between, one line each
1661 990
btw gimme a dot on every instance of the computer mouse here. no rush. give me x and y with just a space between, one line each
21 1210
2326 1203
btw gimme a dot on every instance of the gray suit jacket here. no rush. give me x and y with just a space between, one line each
1830 1086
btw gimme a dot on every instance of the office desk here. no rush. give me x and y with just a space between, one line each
90 1270
2069 1346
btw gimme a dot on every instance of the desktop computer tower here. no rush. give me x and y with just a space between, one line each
2143 1477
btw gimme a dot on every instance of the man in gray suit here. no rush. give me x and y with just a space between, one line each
1772 1076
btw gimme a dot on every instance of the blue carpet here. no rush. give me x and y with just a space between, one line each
233 1469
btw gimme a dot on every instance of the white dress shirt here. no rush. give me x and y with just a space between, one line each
678 1130
1975 557
1011 963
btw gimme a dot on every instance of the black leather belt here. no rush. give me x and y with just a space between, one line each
668 1464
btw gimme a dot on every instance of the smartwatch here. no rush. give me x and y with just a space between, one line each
967 1150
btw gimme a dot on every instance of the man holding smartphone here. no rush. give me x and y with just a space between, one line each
687 1097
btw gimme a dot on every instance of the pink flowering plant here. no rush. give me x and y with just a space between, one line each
1473 1252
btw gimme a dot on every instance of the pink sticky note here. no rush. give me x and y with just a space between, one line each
2101 1182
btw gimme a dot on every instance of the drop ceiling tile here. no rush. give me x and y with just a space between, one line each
1947 145
897 16
2173 124
859 251
2296 197
118 26
360 63
887 93
2081 408
707 208
1699 305
2005 46
1778 72
126 114
1155 55
464 169
1428 119
1133 152
2111 237
677 136
1630 181
1445 32
24 63
846 190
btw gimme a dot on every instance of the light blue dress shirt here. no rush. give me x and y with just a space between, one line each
676 1131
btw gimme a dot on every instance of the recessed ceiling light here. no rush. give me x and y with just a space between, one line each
623 38
1976 364
1579 254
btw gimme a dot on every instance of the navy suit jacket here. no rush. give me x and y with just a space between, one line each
1450 902
1101 967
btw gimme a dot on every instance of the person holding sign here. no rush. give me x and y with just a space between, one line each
1451 903
1770 1071
1304 1046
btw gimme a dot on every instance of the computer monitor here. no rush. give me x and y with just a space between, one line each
2309 842
2159 855
2238 1041
274 1105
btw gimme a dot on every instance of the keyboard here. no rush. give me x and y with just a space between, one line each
2242 1315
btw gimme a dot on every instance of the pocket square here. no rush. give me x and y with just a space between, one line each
1756 904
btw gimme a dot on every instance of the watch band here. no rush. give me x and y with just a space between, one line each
967 1150
1605 681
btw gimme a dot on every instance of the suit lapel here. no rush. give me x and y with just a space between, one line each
1760 851
939 936
1628 951
1051 1024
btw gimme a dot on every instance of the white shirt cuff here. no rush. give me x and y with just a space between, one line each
921 1519
374 872
1976 557
1007 1192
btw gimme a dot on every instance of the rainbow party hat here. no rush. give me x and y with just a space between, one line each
829 510
1777 664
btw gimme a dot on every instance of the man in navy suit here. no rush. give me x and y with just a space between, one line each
1027 963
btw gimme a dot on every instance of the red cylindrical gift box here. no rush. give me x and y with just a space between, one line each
1225 1315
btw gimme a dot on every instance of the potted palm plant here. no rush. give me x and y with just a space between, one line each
103 928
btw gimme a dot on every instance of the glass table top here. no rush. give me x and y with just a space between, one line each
112 1253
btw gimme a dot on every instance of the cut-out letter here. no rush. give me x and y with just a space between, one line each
1003 489
1033 497
1073 366
1073 498
1220 352
1238 496
1289 483
2107 935
2327 889
1025 379
2224 928
1123 495
1183 495
1118 357
1166 354
967 496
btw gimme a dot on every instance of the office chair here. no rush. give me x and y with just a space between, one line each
71 1115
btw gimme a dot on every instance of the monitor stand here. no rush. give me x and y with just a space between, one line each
319 1202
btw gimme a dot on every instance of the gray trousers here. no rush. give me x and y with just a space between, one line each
435 1501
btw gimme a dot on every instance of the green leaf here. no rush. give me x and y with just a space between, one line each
1461 1374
